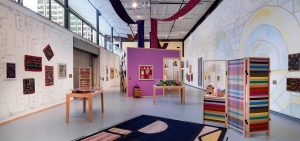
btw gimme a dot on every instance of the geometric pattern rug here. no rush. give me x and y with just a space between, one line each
151 128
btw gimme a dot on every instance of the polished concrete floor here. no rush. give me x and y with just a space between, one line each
50 125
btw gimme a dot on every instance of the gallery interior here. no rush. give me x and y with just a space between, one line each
149 70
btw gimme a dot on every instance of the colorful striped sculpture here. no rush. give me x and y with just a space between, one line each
236 94
215 109
248 80
258 94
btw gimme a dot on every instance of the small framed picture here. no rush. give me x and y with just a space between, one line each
62 71
145 72
10 71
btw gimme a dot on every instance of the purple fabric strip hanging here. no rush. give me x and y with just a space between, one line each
141 33
187 8
120 10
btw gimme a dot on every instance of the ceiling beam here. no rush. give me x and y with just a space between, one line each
202 19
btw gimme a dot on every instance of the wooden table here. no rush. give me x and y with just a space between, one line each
85 96
180 88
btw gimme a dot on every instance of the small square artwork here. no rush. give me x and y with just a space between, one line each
62 71
145 72
10 70
33 63
112 73
28 86
294 62
49 79
48 52
293 84
218 78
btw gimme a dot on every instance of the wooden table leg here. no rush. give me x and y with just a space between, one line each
102 103
67 107
84 104
181 95
154 96
90 98
183 91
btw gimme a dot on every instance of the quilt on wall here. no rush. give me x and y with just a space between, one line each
62 71
293 84
49 79
28 86
10 70
294 62
259 94
48 52
236 91
33 63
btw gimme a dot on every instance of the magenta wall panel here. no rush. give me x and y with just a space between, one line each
142 56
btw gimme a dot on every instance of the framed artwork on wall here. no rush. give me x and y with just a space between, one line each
294 62
10 71
112 73
49 79
33 63
62 71
200 71
48 52
28 86
293 84
145 72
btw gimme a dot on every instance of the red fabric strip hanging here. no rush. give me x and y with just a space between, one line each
187 8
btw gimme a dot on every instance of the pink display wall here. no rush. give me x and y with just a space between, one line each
142 56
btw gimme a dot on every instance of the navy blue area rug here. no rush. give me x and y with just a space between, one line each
151 128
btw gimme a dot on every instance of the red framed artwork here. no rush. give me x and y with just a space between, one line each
145 72
49 79
33 63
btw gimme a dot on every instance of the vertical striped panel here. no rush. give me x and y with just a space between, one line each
258 94
235 86
214 109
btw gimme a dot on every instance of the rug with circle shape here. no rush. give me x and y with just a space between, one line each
151 128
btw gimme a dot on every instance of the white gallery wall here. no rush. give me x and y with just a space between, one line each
109 60
261 28
23 32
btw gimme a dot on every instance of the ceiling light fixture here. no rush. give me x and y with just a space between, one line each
134 4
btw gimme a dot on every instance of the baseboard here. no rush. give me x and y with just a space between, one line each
30 113
285 116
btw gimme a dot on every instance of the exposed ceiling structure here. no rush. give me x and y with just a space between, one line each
140 10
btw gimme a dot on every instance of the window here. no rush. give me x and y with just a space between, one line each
57 13
95 36
101 40
39 6
75 24
87 32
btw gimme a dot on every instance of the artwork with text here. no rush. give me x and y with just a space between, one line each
146 72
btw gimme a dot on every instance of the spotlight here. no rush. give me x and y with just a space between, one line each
134 4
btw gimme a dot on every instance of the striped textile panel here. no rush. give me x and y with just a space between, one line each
259 94
214 110
235 85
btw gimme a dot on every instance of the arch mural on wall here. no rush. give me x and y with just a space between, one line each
223 47
274 32
267 39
